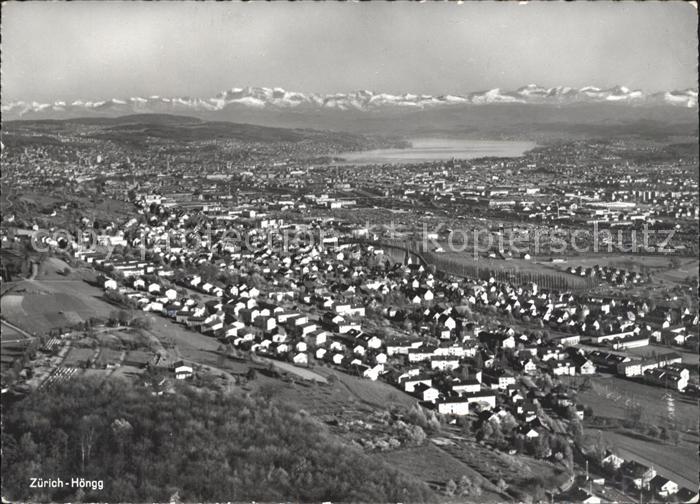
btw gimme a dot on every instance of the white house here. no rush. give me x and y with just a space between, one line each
373 372
409 385
529 366
612 460
301 359
183 372
426 393
467 387
460 405
587 368
663 486
444 363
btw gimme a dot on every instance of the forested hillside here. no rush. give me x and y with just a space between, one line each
204 446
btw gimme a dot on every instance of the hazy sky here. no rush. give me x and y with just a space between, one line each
91 50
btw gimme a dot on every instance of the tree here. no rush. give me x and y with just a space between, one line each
508 423
545 382
478 361
485 432
450 487
416 435
466 486
141 323
497 436
519 443
332 379
87 427
534 487
267 391
575 430
501 485
433 422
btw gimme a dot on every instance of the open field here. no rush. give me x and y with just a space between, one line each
127 372
115 338
515 269
39 199
287 367
334 398
189 345
56 269
77 357
637 262
101 207
688 268
376 393
53 301
689 357
39 311
316 399
610 397
97 374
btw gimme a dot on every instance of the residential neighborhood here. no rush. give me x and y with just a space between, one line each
391 252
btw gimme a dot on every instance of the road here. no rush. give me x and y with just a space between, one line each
21 331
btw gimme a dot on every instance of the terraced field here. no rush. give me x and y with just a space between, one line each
436 467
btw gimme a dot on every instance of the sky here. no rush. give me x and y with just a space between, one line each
96 50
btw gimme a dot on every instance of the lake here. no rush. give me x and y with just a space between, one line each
436 149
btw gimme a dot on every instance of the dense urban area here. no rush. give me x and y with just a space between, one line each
516 329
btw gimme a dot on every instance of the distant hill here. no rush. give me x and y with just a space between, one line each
136 128
137 119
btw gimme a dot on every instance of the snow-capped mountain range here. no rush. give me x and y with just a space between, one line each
262 98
